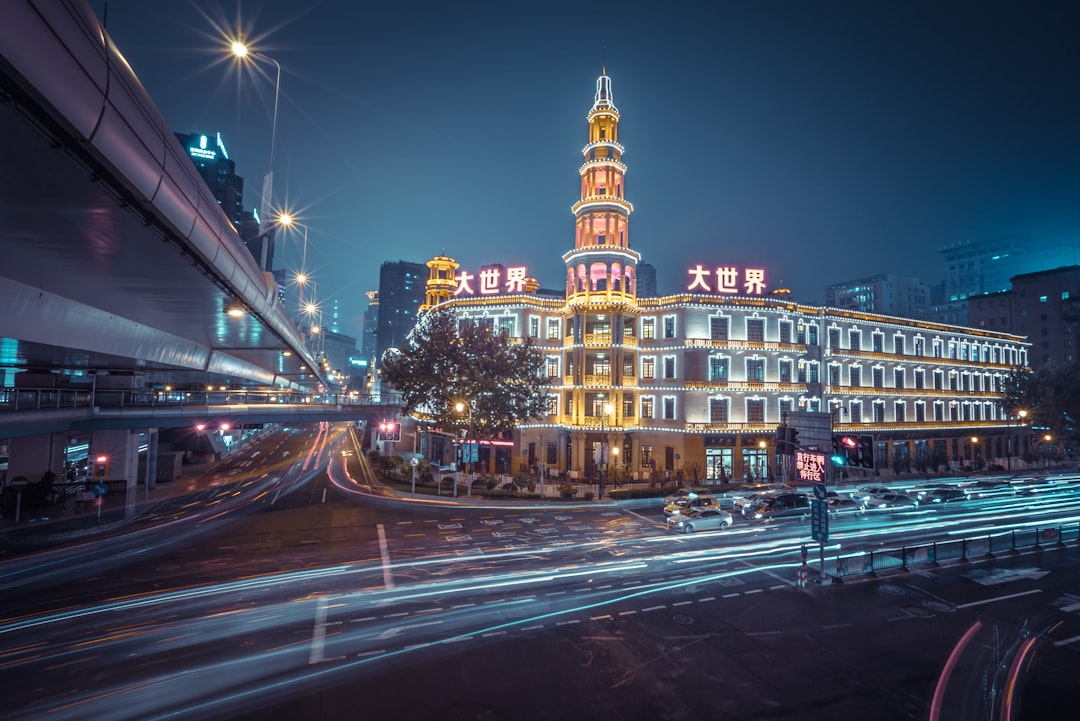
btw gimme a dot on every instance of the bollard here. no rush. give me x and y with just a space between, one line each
802 576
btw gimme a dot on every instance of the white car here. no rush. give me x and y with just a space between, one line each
703 519
888 501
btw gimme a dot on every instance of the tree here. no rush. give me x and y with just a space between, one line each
445 362
1049 394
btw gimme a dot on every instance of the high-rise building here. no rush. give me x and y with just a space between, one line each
1044 306
646 276
987 266
218 170
369 339
888 294
699 381
401 292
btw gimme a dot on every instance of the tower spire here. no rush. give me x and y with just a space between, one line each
602 262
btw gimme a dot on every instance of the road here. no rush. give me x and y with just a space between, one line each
295 590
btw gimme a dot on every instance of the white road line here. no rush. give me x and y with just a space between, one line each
652 608
731 595
318 635
627 613
566 623
753 590
707 598
384 551
681 603
600 618
1000 598
532 628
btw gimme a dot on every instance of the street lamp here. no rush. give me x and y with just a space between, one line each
975 452
607 408
242 51
461 407
763 445
1022 414
301 277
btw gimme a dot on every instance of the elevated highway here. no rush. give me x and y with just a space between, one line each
118 261
119 267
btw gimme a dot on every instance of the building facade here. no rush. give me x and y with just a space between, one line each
696 383
401 292
1043 306
888 294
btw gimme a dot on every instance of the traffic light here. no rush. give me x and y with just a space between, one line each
101 467
781 434
389 431
838 457
793 438
395 432
848 447
866 451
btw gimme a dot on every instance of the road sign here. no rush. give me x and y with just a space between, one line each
100 489
810 466
819 491
415 461
819 520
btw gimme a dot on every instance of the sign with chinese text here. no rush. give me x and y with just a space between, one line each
810 466
491 280
727 280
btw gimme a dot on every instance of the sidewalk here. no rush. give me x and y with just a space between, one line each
73 517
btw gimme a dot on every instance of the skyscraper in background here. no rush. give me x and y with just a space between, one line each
218 170
401 291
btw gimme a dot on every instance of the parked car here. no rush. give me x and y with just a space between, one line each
891 500
781 505
944 495
700 519
843 505
692 501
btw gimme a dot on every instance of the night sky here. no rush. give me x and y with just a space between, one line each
824 141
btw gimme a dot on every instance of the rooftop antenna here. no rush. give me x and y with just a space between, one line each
604 62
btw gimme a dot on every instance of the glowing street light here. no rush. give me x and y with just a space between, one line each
242 52
461 407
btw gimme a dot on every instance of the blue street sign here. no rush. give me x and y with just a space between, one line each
819 491
819 520
100 489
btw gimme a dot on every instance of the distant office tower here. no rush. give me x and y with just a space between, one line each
368 341
1043 306
887 294
335 325
646 281
401 292
986 266
218 170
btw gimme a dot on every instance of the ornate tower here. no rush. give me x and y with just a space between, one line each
601 290
441 281
601 263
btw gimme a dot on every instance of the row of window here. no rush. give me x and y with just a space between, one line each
803 372
754 410
803 334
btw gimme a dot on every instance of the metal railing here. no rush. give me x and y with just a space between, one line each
958 550
39 399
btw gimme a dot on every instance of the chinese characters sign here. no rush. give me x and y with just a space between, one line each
727 280
810 466
491 280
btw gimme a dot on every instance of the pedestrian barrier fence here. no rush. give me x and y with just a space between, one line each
958 550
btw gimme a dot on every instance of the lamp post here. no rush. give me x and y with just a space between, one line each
975 453
605 409
301 278
241 51
460 407
1022 414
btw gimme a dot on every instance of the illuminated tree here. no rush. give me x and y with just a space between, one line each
445 362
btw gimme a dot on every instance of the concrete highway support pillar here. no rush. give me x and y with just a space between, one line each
121 451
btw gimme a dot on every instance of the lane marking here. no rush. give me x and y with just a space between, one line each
384 551
318 635
1000 598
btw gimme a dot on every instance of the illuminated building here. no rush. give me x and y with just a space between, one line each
697 380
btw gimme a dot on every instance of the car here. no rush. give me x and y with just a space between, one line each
843 505
891 500
700 519
692 501
864 492
781 505
944 495
750 494
680 494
